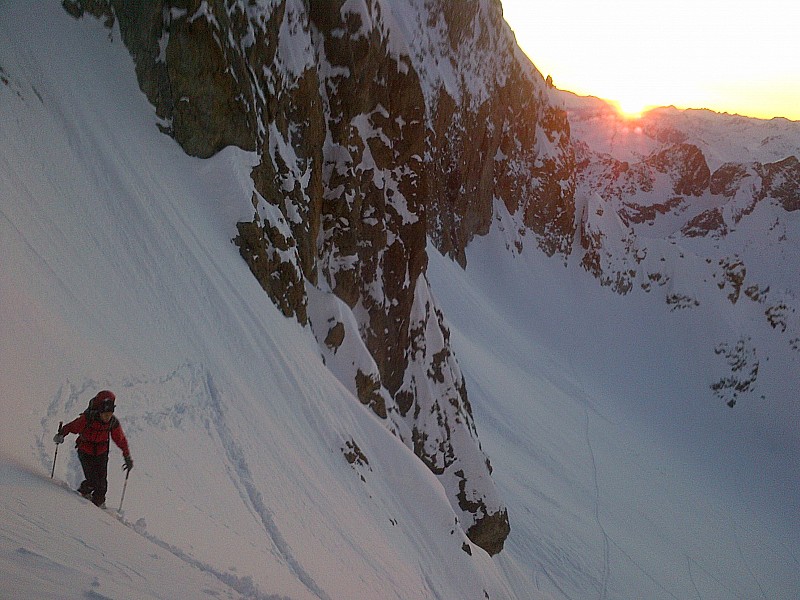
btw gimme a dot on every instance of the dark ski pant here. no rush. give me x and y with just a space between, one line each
95 470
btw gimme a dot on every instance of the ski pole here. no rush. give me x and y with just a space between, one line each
124 487
55 456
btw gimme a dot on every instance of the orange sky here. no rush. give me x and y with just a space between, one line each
736 56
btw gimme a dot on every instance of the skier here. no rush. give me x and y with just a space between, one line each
95 428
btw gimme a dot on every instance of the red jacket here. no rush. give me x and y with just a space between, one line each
93 435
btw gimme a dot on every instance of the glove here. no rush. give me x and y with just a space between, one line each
128 463
58 438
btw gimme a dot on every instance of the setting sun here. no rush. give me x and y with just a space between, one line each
630 109
632 99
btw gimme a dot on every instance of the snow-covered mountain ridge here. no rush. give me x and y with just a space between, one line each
265 466
698 207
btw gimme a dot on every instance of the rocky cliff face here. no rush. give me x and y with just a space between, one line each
379 124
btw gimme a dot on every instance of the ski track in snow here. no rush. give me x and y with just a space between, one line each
722 585
691 577
555 582
243 586
589 409
644 571
606 550
69 399
52 272
607 540
746 562
251 494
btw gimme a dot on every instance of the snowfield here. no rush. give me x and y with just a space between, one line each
257 473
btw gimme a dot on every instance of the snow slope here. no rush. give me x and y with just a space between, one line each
54 546
624 479
117 272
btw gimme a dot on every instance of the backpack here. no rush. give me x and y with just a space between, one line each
100 403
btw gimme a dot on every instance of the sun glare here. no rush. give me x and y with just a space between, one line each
630 110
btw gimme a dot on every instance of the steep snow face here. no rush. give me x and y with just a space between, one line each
258 474
327 96
626 476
